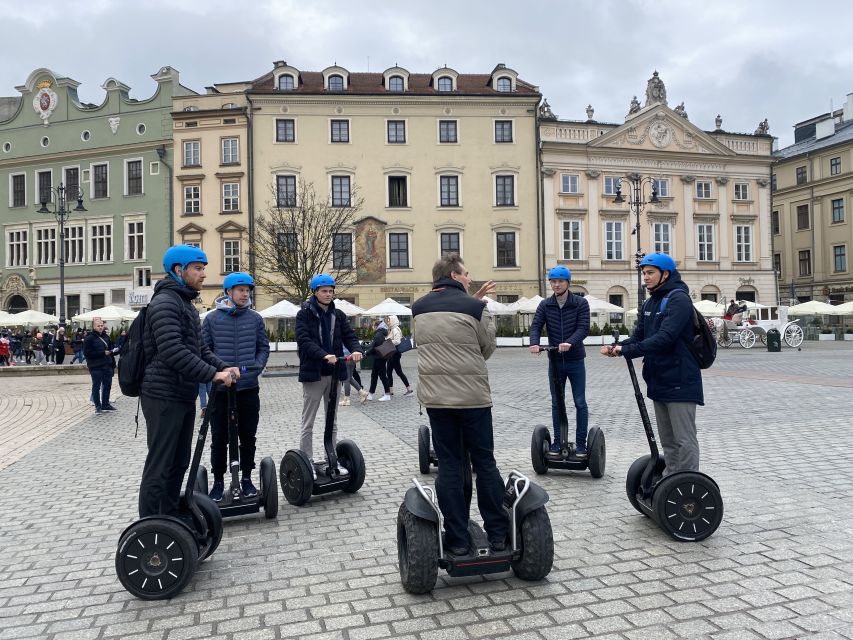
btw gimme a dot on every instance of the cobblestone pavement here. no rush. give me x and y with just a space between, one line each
775 434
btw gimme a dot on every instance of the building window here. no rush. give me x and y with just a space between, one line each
342 251
837 211
504 85
142 276
805 258
286 191
396 84
774 223
803 221
569 183
772 182
192 199
45 180
777 264
46 246
396 132
192 153
834 166
662 232
449 191
661 187
743 243
611 183
74 244
839 255
802 176
48 305
230 151
705 239
96 300
505 191
445 83
447 131
72 183
613 235
230 196
449 243
286 82
101 180
72 305
399 250
288 247
19 190
397 193
102 242
285 130
503 130
133 169
134 246
340 191
231 255
741 191
703 189
336 83
340 130
16 248
505 247
571 239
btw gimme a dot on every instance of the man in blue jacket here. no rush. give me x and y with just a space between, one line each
566 316
236 334
672 375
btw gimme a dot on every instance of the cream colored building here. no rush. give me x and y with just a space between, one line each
713 214
812 234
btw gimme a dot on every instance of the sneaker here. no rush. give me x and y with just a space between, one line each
342 470
362 395
370 396
110 407
98 410
409 392
344 402
217 490
580 453
248 488
385 398
555 447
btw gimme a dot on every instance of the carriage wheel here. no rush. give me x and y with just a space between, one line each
725 340
746 338
793 335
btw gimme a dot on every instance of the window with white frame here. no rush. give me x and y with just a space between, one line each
133 177
741 191
231 196
75 244
230 150
571 239
834 166
703 189
230 255
505 191
569 183
705 242
839 258
342 250
743 243
46 246
286 82
100 180
16 248
72 183
192 199
805 262
445 83
447 131
661 187
134 244
837 210
18 190
614 240
450 243
398 192
662 232
449 187
45 179
285 130
398 250
101 242
611 184
340 131
286 191
505 249
503 131
336 83
142 276
396 84
504 84
396 132
288 248
341 191
192 153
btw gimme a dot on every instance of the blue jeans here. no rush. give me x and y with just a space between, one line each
203 393
575 372
102 381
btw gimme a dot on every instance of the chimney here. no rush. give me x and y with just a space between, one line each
825 128
848 108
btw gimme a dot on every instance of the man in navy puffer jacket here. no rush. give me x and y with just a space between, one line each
236 333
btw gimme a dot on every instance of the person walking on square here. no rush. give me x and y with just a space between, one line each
38 347
5 350
351 382
672 375
47 347
379 371
395 335
566 316
27 345
77 346
236 334
59 346
100 359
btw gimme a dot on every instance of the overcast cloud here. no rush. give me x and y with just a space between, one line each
743 59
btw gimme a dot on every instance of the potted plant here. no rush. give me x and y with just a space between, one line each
826 334
848 334
594 336
624 333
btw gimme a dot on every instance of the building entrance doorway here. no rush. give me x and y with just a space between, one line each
16 304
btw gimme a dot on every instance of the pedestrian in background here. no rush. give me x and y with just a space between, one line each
47 346
27 346
395 335
59 346
100 352
38 347
380 370
77 346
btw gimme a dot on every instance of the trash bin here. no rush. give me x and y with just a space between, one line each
774 340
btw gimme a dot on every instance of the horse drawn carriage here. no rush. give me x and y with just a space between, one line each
757 321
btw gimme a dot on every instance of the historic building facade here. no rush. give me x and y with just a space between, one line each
119 156
713 201
812 198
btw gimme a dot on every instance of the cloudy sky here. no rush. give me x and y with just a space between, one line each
744 59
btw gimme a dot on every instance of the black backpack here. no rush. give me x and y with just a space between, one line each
703 347
131 364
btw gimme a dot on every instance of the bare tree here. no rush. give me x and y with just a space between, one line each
297 237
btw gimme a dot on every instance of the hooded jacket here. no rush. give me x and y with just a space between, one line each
567 324
661 339
238 336
310 342
395 333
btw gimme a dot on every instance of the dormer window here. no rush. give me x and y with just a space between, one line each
445 83
504 85
191 108
286 82
230 105
336 83
396 84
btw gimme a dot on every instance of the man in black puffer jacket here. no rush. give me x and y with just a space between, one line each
177 361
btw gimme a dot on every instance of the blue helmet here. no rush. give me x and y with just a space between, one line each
322 280
659 260
559 273
182 255
238 277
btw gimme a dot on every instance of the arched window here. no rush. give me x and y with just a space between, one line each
504 84
336 83
395 83
445 83
286 82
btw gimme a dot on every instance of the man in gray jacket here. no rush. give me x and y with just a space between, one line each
456 334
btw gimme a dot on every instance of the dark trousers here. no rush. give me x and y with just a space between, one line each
379 373
60 356
394 365
102 382
248 411
170 436
453 432
575 372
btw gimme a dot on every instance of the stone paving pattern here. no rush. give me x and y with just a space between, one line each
775 434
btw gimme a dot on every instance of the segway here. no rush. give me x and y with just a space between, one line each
297 471
158 555
426 454
687 505
234 502
421 547
566 458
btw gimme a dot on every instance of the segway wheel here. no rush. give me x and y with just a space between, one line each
201 480
269 488
423 448
297 479
349 455
156 558
540 444
417 552
688 506
537 546
213 519
633 479
597 453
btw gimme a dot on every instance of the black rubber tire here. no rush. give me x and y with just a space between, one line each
201 480
417 552
297 478
540 444
143 565
423 449
688 506
215 525
597 454
349 455
536 543
632 480
269 488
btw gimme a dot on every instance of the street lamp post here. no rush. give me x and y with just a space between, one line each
61 213
637 202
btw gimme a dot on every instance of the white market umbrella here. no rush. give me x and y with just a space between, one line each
530 305
283 309
813 308
515 305
348 308
110 313
845 309
750 305
597 305
498 308
28 317
709 308
388 307
202 316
